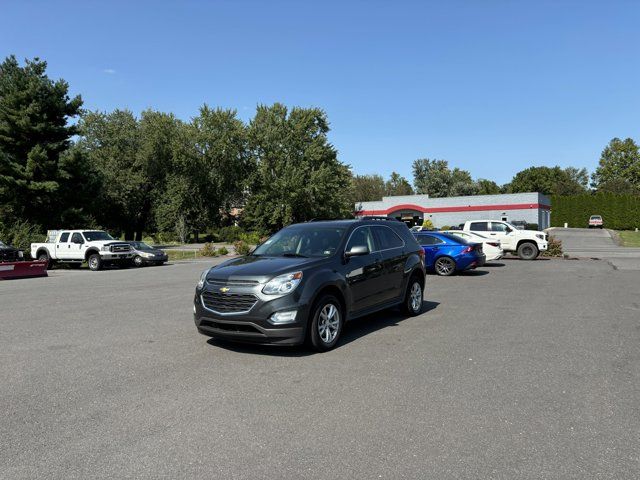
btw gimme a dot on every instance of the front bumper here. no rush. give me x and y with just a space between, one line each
253 326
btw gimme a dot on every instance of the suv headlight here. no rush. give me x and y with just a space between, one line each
282 284
203 278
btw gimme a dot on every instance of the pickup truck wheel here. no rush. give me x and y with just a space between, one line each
326 324
95 262
445 266
413 298
528 251
44 257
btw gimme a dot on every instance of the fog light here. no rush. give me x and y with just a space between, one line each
279 318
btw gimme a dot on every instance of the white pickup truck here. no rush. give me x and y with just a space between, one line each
527 244
73 247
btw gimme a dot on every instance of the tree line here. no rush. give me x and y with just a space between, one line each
62 166
618 172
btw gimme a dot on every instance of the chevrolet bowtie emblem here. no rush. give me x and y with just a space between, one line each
224 289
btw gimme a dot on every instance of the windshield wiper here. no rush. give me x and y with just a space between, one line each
296 255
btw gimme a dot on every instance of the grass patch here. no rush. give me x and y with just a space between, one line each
183 254
629 238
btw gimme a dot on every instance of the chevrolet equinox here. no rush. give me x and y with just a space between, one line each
306 280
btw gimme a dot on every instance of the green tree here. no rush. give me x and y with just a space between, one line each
550 181
434 178
368 188
619 166
34 133
487 187
297 175
398 185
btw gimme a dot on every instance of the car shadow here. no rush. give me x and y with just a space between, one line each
363 326
493 264
353 330
473 273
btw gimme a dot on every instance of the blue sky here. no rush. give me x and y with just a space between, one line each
492 86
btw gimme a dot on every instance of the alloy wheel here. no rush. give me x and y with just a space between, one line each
415 296
445 266
329 323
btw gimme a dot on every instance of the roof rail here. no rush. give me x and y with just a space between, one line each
373 217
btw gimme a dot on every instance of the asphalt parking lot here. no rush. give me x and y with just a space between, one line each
519 370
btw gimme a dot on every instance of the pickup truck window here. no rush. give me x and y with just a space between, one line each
64 237
498 227
77 238
479 226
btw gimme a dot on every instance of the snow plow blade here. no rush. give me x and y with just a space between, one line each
22 270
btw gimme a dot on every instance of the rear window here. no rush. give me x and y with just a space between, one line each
386 238
481 226
64 237
428 240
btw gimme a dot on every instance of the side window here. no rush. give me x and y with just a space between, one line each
77 238
428 240
479 226
386 238
361 236
498 227
64 237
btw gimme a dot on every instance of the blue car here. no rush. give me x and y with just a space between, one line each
446 253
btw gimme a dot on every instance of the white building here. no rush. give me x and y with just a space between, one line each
532 208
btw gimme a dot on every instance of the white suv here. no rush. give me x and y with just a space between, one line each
527 244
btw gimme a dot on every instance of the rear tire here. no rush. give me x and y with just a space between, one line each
326 324
528 251
95 262
413 298
445 266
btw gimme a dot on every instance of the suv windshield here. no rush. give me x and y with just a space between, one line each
302 241
97 235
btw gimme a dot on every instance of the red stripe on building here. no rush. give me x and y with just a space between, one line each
468 208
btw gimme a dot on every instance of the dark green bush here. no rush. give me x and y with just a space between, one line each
223 251
619 212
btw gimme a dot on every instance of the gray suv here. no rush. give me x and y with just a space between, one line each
307 280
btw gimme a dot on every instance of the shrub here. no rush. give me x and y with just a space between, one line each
21 234
223 251
209 250
554 249
427 224
619 211
241 247
446 227
162 238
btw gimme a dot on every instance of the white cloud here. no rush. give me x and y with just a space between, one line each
109 71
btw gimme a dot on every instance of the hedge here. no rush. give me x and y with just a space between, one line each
619 212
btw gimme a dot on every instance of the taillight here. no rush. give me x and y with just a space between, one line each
421 255
467 250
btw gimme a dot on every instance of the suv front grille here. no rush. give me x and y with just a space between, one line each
238 282
228 302
120 247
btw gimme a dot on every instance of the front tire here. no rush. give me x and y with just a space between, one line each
445 266
95 262
528 251
412 305
326 324
137 261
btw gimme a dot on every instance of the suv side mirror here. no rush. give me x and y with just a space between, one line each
357 251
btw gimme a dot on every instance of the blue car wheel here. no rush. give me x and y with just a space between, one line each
445 266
